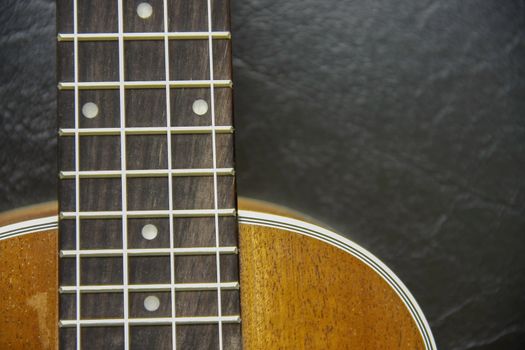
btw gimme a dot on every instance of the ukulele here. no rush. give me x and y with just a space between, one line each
149 247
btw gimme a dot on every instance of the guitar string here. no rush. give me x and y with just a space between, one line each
214 160
77 178
170 178
124 208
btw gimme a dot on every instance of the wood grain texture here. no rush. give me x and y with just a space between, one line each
28 284
28 292
301 293
298 293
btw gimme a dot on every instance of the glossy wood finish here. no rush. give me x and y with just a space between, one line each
301 293
297 292
28 284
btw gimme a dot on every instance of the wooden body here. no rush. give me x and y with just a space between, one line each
302 287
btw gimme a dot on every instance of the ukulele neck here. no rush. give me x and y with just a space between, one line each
148 229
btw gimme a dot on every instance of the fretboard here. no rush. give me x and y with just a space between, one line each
148 229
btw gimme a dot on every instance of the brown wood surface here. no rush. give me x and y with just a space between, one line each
297 293
28 284
302 293
28 292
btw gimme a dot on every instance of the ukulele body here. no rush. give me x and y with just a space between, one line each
303 287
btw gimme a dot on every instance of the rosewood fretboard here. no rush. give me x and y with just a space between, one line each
148 234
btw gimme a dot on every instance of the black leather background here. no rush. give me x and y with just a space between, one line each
401 124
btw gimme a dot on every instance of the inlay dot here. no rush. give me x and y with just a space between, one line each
151 303
90 110
149 232
200 107
144 10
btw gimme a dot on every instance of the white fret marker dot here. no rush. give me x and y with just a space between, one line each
90 110
144 10
149 232
200 107
151 303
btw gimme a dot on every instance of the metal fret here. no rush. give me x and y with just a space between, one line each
152 321
93 174
186 287
182 130
185 213
161 84
148 252
65 37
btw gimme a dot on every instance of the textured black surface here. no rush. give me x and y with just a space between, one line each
399 123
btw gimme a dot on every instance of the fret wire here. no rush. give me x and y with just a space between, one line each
123 167
182 130
149 252
186 287
170 179
143 36
214 159
151 321
77 178
92 174
183 213
152 84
